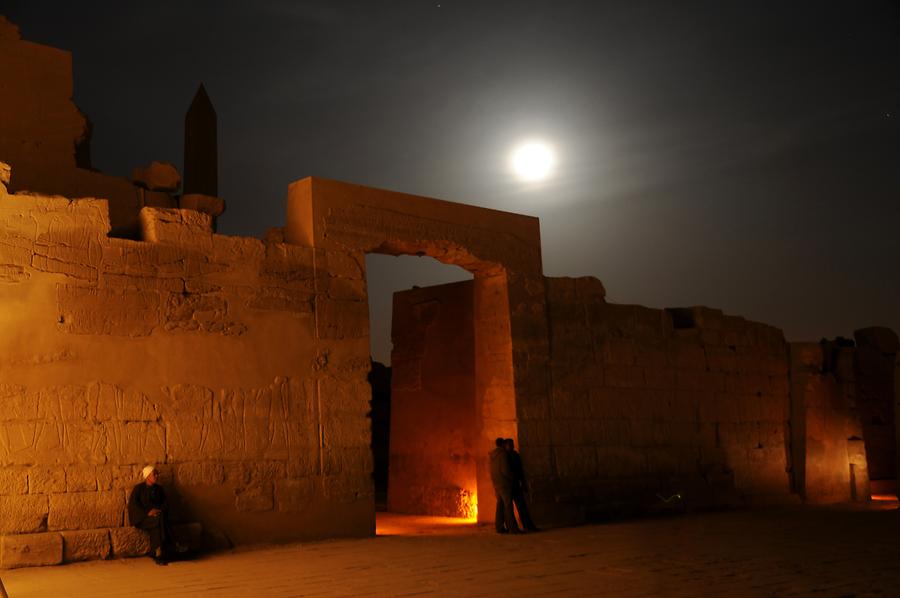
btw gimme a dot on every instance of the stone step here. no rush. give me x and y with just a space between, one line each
54 548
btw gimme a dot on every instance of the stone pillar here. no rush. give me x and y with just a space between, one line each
433 448
495 399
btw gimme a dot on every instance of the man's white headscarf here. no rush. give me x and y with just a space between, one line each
147 471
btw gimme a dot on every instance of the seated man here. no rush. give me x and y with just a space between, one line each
148 510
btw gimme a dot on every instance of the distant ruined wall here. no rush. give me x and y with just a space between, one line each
46 138
650 403
873 369
213 356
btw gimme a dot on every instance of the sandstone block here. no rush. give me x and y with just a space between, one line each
206 204
129 541
292 264
279 299
722 359
302 464
621 461
294 495
31 550
346 289
256 498
339 431
158 176
688 355
619 351
265 471
576 461
85 545
86 510
135 442
341 319
5 173
114 403
347 488
343 265
624 376
44 480
23 513
651 357
13 480
187 228
107 311
200 473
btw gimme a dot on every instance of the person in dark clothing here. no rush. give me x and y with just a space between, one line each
148 510
502 479
519 485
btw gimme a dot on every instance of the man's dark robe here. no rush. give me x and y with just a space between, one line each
502 478
143 498
519 488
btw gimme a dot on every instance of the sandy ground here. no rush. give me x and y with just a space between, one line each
835 551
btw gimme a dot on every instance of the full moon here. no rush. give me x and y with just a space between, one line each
533 161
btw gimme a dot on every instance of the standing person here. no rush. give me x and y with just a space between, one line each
502 479
148 510
519 485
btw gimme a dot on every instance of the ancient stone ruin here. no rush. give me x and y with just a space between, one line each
130 332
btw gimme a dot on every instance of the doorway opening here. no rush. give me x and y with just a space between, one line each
424 414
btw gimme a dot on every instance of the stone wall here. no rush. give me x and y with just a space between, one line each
827 442
209 355
651 407
433 423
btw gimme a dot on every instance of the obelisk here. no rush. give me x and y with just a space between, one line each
201 160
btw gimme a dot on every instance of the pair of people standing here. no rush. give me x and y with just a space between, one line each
508 478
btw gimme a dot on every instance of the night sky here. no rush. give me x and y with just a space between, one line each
740 155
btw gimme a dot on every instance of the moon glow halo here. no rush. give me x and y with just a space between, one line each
533 161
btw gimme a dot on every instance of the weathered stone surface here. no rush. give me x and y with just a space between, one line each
158 176
200 473
294 495
13 480
86 510
176 227
85 545
212 206
255 498
5 174
81 478
30 550
23 513
136 442
347 488
129 541
44 480
107 312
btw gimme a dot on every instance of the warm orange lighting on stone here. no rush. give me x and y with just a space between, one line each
471 506
884 497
